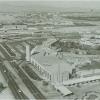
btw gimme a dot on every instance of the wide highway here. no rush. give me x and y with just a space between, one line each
12 83
29 84
8 49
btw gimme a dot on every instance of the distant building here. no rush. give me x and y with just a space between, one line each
14 27
78 51
90 39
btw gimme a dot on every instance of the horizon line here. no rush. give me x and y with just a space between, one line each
50 0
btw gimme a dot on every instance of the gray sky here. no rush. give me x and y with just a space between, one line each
67 6
49 0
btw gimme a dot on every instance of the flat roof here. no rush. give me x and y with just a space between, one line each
64 90
50 61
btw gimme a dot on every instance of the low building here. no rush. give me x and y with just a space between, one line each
88 73
89 69
14 27
50 66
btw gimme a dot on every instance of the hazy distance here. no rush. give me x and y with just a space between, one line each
49 5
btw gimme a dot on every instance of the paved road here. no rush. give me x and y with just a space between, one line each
12 83
29 84
8 49
31 73
5 53
81 80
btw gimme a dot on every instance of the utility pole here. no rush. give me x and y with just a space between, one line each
59 72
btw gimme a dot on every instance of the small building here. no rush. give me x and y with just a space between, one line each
14 27
63 90
89 69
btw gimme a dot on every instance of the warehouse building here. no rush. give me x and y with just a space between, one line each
49 66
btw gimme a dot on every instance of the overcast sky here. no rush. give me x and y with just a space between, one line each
49 0
49 5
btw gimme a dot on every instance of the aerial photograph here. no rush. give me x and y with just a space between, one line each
49 50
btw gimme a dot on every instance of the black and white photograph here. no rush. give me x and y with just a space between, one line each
49 49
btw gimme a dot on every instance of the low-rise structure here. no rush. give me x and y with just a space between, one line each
14 27
50 67
89 69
